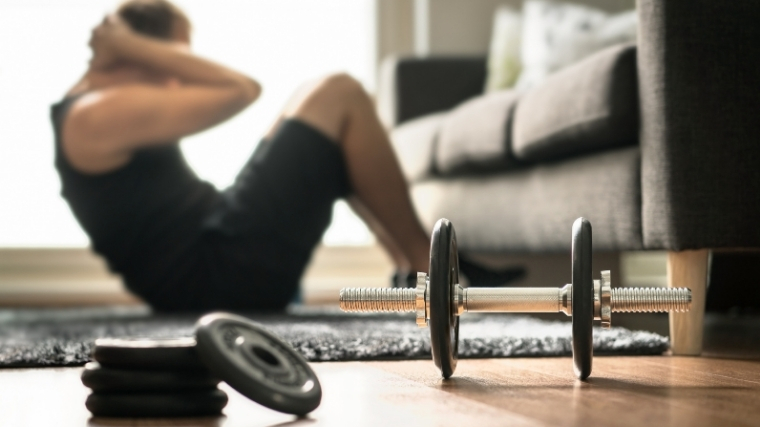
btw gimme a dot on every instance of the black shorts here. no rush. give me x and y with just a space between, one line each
257 241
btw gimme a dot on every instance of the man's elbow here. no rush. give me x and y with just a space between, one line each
251 90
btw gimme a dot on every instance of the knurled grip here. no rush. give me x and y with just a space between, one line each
651 300
512 300
365 300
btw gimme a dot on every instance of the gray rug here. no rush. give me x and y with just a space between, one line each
65 337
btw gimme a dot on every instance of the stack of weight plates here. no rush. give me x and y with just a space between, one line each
179 377
150 378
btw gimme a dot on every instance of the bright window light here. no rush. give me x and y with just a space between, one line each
281 43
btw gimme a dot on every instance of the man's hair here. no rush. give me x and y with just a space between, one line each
154 18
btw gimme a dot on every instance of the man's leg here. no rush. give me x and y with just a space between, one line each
339 107
394 252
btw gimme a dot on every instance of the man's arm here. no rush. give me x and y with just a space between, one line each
122 118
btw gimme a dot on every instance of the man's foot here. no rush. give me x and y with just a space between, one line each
483 277
404 279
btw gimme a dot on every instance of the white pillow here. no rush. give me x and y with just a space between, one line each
504 53
556 35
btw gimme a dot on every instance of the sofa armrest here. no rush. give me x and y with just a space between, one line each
700 138
413 87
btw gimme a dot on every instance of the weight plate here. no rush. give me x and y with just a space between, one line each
146 353
257 363
187 404
444 275
101 379
583 299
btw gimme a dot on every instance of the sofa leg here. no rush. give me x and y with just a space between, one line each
689 269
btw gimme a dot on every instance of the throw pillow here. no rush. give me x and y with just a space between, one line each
504 53
556 35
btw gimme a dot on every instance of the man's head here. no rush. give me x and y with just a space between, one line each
152 18
156 18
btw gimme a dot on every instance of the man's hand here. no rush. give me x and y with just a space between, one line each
105 41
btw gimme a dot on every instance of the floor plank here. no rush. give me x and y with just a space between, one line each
355 394
546 391
623 391
720 390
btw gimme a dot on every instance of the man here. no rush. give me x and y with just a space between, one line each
179 243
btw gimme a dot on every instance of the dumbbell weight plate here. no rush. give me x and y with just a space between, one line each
110 380
257 364
179 404
583 299
444 275
147 354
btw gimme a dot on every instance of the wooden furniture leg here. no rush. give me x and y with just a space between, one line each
689 269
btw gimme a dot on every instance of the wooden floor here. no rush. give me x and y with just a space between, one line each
720 389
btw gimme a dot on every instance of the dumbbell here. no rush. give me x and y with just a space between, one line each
439 300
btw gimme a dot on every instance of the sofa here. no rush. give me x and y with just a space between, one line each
657 143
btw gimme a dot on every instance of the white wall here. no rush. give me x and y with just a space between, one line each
453 26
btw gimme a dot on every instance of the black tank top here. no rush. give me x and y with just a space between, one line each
145 218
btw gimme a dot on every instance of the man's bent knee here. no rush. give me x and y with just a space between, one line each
341 83
327 103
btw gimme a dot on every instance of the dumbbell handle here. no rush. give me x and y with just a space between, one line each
516 300
512 300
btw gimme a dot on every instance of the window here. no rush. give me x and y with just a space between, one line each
43 50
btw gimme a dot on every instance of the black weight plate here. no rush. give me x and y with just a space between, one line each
257 363
101 379
444 275
147 353
186 404
583 299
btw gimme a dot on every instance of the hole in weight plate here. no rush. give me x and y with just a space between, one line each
265 355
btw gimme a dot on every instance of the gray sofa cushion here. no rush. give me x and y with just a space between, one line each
476 135
413 143
589 106
532 210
